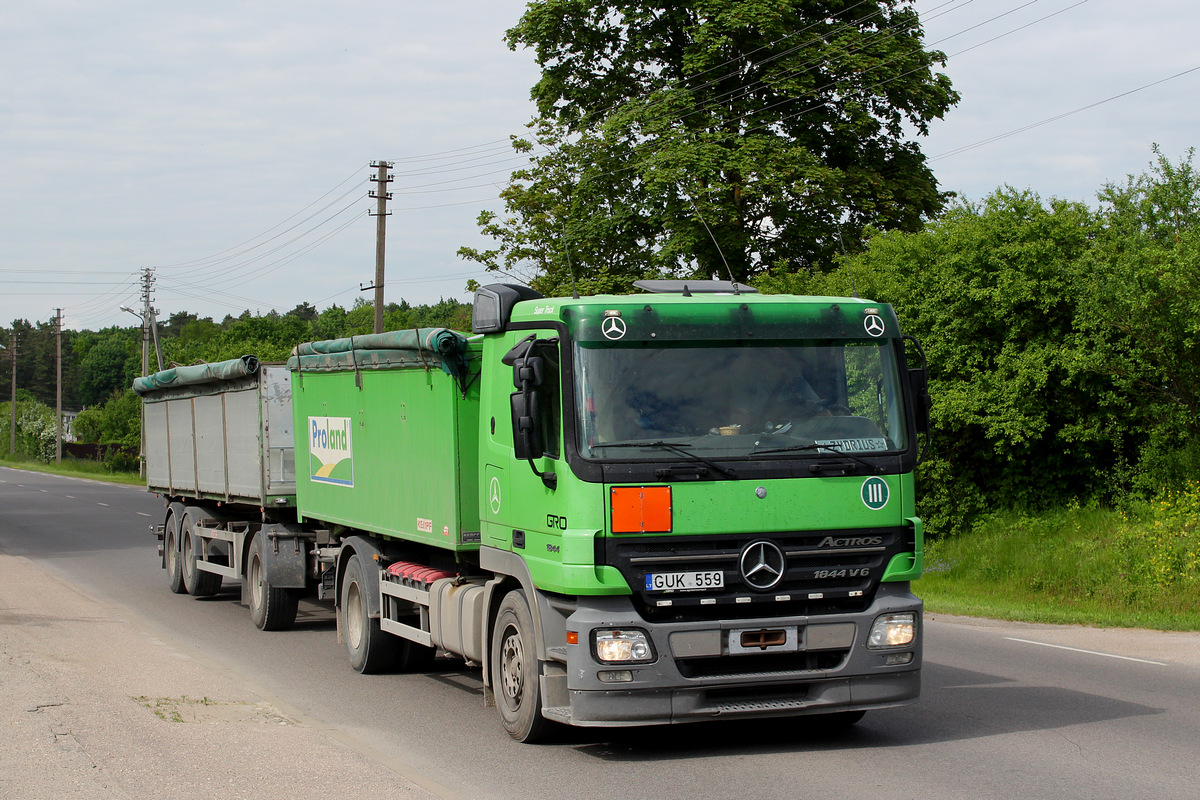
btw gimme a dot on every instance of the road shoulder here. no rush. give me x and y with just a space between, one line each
94 706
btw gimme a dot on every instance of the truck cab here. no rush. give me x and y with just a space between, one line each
706 497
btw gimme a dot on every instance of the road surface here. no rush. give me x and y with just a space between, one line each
1008 710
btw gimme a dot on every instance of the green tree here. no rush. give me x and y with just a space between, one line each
992 292
675 137
1142 313
108 361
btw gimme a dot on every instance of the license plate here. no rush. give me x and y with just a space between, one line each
685 581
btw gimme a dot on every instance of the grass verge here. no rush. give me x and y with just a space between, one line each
1137 568
74 468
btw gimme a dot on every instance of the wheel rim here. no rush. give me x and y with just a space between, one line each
354 615
512 667
188 567
256 583
172 556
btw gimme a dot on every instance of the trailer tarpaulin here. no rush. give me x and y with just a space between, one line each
197 374
426 347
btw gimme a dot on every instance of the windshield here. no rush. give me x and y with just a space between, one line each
645 401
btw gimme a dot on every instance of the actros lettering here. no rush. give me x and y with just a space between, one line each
850 541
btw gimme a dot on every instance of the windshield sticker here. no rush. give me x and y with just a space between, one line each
331 450
874 325
875 493
854 445
613 328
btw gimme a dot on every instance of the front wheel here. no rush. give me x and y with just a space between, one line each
271 608
515 671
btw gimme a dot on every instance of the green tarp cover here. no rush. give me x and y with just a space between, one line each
197 374
429 347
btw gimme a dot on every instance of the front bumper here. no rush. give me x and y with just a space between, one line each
824 666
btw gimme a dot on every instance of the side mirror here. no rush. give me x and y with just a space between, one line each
528 372
527 441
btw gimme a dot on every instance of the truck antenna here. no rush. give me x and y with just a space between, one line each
570 266
710 235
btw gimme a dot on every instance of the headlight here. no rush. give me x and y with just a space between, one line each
618 646
893 630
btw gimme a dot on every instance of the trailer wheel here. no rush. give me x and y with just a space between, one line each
371 650
271 608
198 582
515 670
171 555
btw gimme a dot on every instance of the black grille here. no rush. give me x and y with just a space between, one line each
752 665
826 572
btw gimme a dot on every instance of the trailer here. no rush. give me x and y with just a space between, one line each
219 447
690 504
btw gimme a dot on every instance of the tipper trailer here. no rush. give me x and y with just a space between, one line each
690 504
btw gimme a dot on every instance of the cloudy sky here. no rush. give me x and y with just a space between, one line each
226 144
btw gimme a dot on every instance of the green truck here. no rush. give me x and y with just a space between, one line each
691 504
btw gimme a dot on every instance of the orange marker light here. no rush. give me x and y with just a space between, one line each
572 637
641 509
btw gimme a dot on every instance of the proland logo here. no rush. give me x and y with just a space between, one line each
330 450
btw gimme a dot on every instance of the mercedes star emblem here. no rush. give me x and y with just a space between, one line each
762 565
874 325
613 327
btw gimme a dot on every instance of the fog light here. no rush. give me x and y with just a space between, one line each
616 646
898 659
893 630
615 676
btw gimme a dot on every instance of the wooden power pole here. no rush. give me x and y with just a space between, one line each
382 179
12 431
58 434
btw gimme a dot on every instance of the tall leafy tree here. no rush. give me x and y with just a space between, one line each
716 137
1142 313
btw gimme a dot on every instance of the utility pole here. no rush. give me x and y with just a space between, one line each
149 323
12 431
58 434
382 179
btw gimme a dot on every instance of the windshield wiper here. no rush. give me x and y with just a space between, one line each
832 448
675 448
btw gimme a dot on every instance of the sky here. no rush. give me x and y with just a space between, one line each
227 145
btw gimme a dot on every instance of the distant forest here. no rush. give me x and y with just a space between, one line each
97 364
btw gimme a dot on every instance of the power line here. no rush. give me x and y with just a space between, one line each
1057 117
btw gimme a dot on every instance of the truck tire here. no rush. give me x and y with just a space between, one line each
198 582
271 608
371 650
411 656
171 559
515 670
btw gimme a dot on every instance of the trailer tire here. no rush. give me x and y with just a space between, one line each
171 559
515 670
198 582
371 650
271 608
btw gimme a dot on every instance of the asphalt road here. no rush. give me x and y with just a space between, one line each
1008 711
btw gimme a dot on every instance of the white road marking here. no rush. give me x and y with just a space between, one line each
103 504
143 514
1089 652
